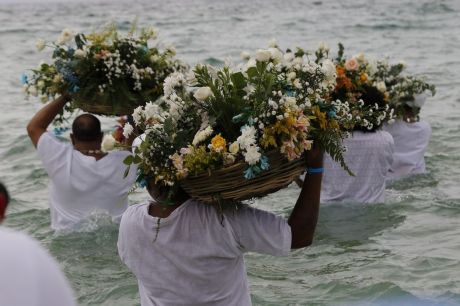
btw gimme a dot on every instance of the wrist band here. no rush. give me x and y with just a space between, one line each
315 170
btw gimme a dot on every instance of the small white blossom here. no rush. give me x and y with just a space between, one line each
203 93
127 130
40 44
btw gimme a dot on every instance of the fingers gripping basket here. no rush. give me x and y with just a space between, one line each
230 184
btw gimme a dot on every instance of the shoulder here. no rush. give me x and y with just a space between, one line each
424 126
48 140
134 211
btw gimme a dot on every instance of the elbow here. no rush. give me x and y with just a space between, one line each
30 129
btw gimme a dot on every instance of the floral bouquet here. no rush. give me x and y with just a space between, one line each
234 134
404 90
105 72
358 81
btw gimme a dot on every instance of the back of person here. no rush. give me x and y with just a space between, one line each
369 156
29 276
411 142
195 255
80 184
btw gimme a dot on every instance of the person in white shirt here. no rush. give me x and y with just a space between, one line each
369 156
411 136
190 254
83 178
28 274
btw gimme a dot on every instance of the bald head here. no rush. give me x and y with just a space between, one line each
86 128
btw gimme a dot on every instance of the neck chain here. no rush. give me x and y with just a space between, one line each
91 151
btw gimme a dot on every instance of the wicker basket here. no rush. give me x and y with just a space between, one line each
229 184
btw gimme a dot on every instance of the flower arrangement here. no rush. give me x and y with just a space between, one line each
404 90
214 119
361 90
105 72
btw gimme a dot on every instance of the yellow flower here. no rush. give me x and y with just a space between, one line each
218 143
321 117
234 147
363 77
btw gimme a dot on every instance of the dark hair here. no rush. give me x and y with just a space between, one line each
86 127
5 192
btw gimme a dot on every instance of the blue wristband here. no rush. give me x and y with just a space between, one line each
315 170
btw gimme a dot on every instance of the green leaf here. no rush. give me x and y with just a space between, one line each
126 172
137 159
252 72
238 80
128 160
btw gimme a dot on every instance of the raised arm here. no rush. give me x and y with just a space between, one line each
42 119
304 216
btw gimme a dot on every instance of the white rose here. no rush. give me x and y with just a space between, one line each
251 63
108 143
66 36
203 93
252 155
275 54
263 55
154 58
127 130
79 53
361 58
234 147
291 75
40 44
297 84
245 55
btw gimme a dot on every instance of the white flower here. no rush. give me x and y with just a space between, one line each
108 143
275 54
361 58
203 93
127 130
40 84
297 83
288 56
323 47
381 86
328 68
291 75
263 55
273 43
234 147
201 136
66 36
252 155
79 53
247 137
245 55
40 44
33 91
57 79
151 110
137 115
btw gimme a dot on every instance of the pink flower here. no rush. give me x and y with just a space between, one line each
351 64
289 150
302 123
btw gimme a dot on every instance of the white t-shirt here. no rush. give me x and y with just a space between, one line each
411 142
80 184
197 258
369 157
29 276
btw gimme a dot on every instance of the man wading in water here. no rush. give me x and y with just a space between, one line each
189 254
83 178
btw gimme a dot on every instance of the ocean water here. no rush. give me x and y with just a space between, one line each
403 252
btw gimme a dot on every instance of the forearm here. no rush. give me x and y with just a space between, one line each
43 118
304 216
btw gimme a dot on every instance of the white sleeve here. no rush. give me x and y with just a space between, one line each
260 231
52 152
